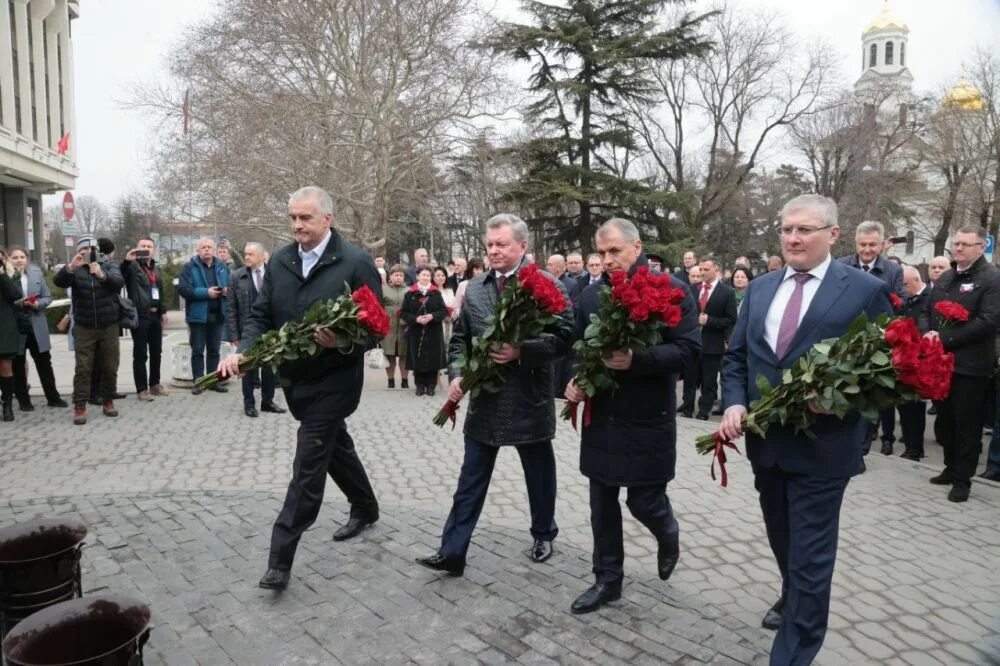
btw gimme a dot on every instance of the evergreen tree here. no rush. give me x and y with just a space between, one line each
589 60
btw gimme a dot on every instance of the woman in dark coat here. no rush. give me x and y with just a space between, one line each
10 292
424 311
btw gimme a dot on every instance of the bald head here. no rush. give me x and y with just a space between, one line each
936 267
556 265
912 282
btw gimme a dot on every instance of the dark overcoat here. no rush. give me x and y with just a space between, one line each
425 342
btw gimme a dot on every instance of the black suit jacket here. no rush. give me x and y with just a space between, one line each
721 311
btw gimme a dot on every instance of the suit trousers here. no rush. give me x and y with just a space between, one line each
539 464
267 385
913 419
959 427
802 517
708 378
993 453
648 504
323 447
692 375
147 342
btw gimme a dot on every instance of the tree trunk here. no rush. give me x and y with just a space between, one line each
586 232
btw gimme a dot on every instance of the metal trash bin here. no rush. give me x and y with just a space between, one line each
39 567
95 630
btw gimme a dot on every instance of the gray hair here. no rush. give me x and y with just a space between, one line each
255 245
870 227
628 230
517 226
911 270
815 203
324 204
204 239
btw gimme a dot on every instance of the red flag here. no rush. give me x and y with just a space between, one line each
62 146
186 111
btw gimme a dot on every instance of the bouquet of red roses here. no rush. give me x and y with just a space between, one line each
529 303
872 366
632 311
951 313
354 318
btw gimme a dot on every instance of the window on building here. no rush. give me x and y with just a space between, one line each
873 55
62 108
902 54
31 79
17 77
888 53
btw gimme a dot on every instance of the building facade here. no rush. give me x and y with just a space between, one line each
37 113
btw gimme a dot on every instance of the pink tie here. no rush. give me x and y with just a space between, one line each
256 280
790 318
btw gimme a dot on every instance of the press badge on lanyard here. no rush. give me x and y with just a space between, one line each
155 291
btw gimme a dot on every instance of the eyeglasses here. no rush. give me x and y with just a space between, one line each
801 231
962 246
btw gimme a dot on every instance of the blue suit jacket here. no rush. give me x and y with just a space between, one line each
885 270
842 296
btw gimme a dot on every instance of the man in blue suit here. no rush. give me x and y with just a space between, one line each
801 481
869 241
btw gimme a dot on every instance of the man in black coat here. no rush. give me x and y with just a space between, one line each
631 440
716 315
521 414
321 390
913 414
974 284
145 287
869 240
245 285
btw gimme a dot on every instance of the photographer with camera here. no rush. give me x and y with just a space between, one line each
95 282
145 287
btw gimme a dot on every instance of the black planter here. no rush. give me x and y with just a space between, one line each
39 566
95 630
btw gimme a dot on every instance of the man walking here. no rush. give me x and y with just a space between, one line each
245 285
521 414
322 390
973 283
145 287
869 240
202 283
631 441
801 481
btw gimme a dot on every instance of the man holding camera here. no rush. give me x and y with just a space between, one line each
202 283
145 288
95 282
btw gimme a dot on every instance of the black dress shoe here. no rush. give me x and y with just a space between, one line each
25 405
197 391
429 391
773 616
119 396
8 410
275 579
887 449
717 412
58 402
219 388
598 595
684 409
667 555
702 417
990 476
392 383
273 408
958 493
541 550
942 479
404 384
910 455
452 566
352 528
251 412
420 389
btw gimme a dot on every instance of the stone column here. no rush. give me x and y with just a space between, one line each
40 9
56 23
6 67
23 70
69 93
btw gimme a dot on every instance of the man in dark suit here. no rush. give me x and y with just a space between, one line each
690 260
631 438
594 272
557 266
869 240
913 414
716 316
322 389
801 481
245 284
973 283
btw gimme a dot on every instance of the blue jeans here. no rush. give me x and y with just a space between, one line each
539 464
205 341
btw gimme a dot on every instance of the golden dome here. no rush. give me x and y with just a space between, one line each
886 19
964 96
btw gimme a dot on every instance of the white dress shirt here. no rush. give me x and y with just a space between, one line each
259 284
310 258
772 323
24 283
711 288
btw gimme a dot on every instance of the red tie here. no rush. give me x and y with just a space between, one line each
705 288
501 282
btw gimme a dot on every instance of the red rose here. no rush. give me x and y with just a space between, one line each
639 312
371 314
951 311
902 332
897 302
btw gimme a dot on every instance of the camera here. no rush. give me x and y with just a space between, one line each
897 239
142 254
93 255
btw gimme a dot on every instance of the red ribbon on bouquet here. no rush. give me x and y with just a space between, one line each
721 444
450 409
571 406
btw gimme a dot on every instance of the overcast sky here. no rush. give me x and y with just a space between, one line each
120 42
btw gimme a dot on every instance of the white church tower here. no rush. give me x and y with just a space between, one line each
885 80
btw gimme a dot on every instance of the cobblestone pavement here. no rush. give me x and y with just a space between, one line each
183 520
